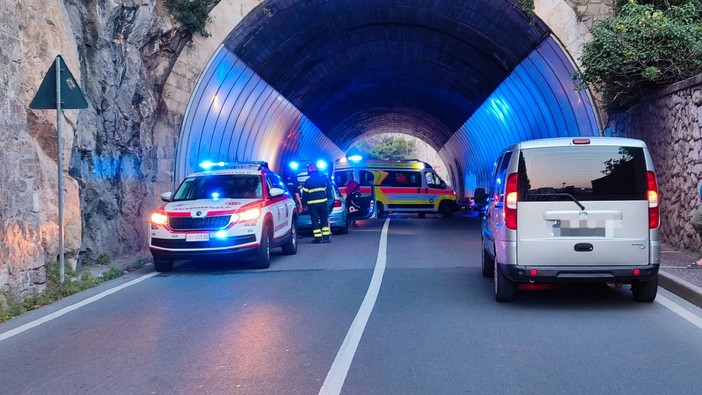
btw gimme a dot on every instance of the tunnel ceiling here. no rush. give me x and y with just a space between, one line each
357 66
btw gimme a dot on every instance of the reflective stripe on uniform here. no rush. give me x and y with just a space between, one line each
317 201
313 190
326 231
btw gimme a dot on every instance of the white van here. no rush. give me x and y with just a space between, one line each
573 210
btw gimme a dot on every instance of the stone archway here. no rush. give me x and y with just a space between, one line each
558 15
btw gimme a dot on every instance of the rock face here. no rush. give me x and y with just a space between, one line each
671 125
120 53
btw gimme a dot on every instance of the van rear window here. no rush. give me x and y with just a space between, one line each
583 173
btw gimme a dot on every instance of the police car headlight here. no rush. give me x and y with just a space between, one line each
249 215
159 219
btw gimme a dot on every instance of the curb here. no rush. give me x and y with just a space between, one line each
686 290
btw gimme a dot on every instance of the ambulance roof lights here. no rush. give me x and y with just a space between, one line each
293 165
322 165
355 158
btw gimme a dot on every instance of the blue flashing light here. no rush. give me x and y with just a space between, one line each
222 234
215 195
294 165
355 158
208 165
321 165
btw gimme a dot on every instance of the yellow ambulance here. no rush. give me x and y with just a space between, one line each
406 186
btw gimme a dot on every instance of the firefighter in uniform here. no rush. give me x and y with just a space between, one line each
315 193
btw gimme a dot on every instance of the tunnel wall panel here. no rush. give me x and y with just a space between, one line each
234 115
537 100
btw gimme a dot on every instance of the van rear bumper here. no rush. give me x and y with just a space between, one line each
560 274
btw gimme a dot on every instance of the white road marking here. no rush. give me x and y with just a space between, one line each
340 367
68 309
679 310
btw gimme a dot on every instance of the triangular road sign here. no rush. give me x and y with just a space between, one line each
71 95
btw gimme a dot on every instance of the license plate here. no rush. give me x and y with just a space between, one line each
197 237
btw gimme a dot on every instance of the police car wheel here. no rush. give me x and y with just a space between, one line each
163 265
342 230
290 248
263 257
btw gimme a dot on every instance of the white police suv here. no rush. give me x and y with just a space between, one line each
236 209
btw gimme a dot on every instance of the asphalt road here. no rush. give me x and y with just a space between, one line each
407 312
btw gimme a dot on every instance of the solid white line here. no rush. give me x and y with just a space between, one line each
679 310
340 368
68 309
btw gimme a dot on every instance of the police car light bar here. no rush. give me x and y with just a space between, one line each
258 165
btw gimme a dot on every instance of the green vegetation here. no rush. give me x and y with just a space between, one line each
386 147
104 259
55 290
646 45
193 14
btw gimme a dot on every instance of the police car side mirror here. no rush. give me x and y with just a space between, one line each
275 192
166 196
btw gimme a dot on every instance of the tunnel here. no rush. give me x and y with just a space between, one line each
305 79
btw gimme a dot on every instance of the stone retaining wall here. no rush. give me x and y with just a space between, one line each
671 125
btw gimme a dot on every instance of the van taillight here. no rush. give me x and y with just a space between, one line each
654 210
337 203
511 199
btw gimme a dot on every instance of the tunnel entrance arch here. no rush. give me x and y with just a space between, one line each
225 99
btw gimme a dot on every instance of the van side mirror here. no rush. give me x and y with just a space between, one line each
166 196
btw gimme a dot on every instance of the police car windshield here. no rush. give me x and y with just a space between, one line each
215 187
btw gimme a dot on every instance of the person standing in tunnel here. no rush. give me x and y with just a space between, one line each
315 194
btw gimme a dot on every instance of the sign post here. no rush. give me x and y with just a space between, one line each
59 90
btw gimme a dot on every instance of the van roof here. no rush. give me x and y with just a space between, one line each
567 141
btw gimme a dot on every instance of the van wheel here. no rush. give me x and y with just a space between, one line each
380 209
263 256
163 265
505 289
290 248
488 264
645 291
446 209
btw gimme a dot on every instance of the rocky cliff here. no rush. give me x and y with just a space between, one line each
121 53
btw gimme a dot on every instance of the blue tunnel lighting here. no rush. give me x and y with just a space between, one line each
235 115
355 158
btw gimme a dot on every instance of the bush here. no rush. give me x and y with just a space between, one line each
55 290
193 14
641 49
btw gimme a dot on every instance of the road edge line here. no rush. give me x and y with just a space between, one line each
679 310
68 309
